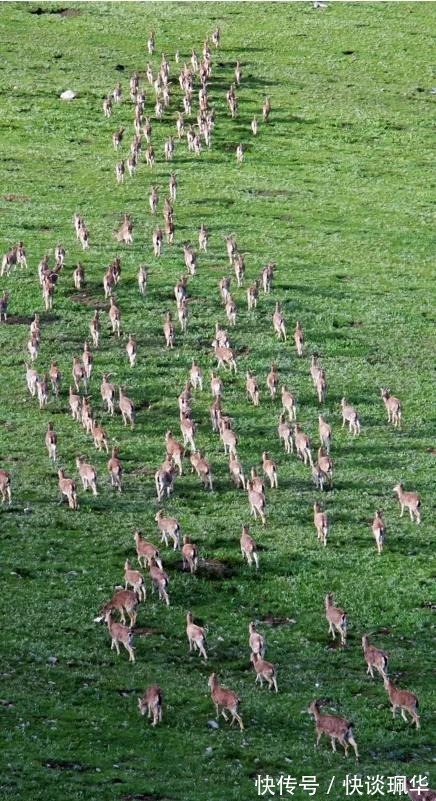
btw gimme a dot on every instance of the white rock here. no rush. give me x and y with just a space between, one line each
212 724
68 95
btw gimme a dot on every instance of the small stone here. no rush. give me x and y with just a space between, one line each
52 660
212 724
68 95
208 750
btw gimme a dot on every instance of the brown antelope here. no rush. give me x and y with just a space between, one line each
31 379
196 376
272 381
231 310
51 442
182 313
228 438
288 403
418 793
122 601
224 356
168 329
350 416
284 431
267 276
168 527
221 337
202 467
131 350
33 347
379 531
100 438
5 486
257 482
86 416
164 481
175 450
314 369
334 727
79 277
253 296
239 268
252 388
74 402
325 433
266 109
146 551
117 138
336 618
374 658
159 581
224 699
256 641
321 385
115 470
173 186
237 471
35 325
279 323
67 487
79 374
95 328
256 502
88 474
4 300
302 445
203 236
187 428
184 400
125 232
17 255
189 555
107 106
135 579
393 408
254 126
410 501
249 547
264 670
152 703
270 470
319 477
321 523
107 391
224 287
142 279
404 700
196 636
87 359
120 169
120 634
326 465
115 317
42 390
299 338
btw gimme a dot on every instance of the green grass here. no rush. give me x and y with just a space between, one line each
338 190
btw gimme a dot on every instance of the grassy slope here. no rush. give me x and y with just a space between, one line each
337 190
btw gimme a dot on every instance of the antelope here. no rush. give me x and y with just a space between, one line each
79 277
51 442
404 700
299 338
266 109
349 415
127 408
202 467
237 471
35 325
180 125
231 310
117 138
119 171
374 658
224 356
284 431
95 327
319 477
321 385
48 290
87 474
224 699
189 555
131 350
321 523
314 369
4 299
116 94
31 379
142 279
33 347
99 437
336 618
379 531
190 259
17 255
216 385
196 376
54 375
152 702
122 601
216 37
135 579
187 428
107 391
203 236
174 450
410 501
184 401
254 126
334 727
86 416
239 267
196 636
151 43
42 390
145 551
267 276
169 148
279 323
147 129
270 470
253 296
257 502
238 73
74 402
393 408
120 634
256 641
252 388
264 670
78 373
168 330
257 482
159 581
302 445
5 486
326 465
115 470
115 317
418 793
215 414
173 186
272 381
224 287
228 438
109 282
168 527
182 313
125 231
67 487
107 106
239 154
164 480
325 433
153 199
231 247
249 547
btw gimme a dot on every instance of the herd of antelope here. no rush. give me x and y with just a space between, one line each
259 483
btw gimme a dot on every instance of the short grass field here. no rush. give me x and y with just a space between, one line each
337 189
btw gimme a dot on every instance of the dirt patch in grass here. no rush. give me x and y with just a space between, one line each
144 632
215 569
275 620
269 193
62 12
86 300
15 319
62 764
16 198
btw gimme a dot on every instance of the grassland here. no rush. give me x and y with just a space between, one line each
338 190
